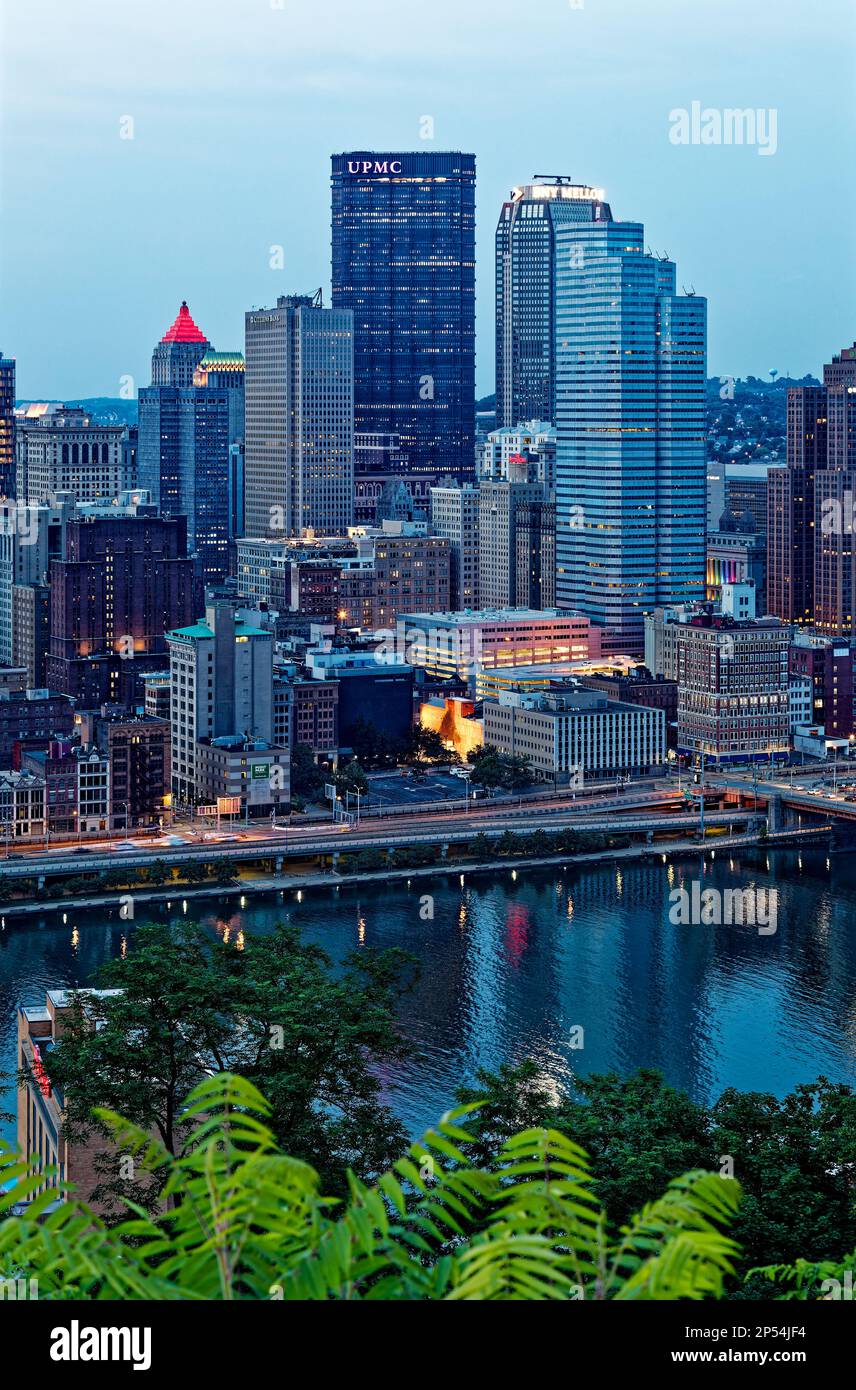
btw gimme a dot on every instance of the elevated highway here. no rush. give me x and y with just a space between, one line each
315 842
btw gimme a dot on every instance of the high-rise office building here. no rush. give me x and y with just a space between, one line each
7 426
835 501
299 454
532 442
455 515
31 627
525 292
179 351
630 416
31 535
732 688
535 541
122 582
65 451
404 263
499 505
790 509
191 417
221 671
746 491
380 464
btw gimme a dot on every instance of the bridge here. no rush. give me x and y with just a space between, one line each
784 803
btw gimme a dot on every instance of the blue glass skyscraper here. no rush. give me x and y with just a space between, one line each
404 262
190 418
631 364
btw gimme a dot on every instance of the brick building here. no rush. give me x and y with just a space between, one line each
124 582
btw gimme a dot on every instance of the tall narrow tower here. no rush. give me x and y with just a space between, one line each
7 426
190 417
525 291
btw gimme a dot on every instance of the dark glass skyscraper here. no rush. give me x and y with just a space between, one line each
404 262
525 292
7 426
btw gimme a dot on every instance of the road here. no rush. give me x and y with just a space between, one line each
821 799
263 833
311 841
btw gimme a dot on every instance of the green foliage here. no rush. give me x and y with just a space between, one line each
240 1220
371 745
541 844
366 861
415 856
351 778
492 769
159 873
222 870
425 746
272 1012
795 1158
307 778
827 1280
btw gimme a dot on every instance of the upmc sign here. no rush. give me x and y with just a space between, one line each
378 167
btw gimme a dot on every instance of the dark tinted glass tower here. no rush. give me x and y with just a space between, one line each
404 262
790 509
834 506
7 426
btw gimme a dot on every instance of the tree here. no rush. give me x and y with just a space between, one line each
494 769
425 746
352 778
795 1158
307 778
222 869
272 1011
159 872
488 772
242 1219
371 745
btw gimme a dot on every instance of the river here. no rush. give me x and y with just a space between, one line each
514 966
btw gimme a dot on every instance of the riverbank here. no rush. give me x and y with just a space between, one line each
283 883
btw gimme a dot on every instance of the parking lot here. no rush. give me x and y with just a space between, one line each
393 789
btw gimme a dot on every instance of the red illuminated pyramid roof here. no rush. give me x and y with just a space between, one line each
184 330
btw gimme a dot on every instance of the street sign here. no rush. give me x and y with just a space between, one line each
330 791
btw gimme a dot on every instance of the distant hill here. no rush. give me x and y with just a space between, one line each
106 410
757 386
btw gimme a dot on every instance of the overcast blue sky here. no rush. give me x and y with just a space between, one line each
238 104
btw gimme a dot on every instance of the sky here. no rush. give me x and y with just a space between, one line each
235 107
